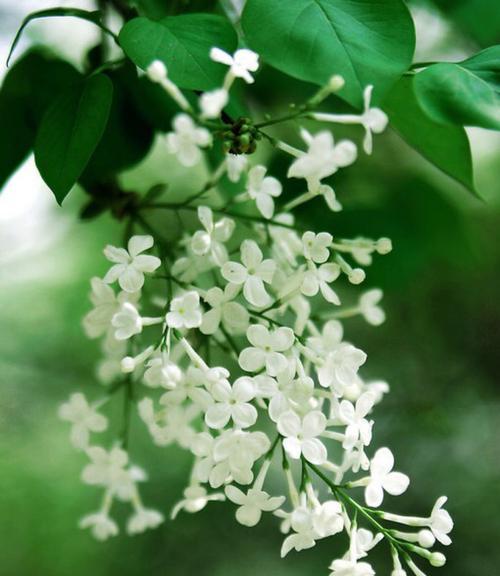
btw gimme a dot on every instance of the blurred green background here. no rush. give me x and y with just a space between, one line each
439 350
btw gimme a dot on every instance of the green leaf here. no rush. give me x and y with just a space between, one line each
183 43
95 17
465 93
28 89
128 135
366 42
447 147
70 131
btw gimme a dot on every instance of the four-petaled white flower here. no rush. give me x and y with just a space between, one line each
263 189
212 103
440 522
358 428
131 265
186 140
241 63
304 536
267 350
340 369
185 311
317 279
234 316
252 504
127 322
252 273
383 478
328 519
100 524
211 240
144 519
301 435
373 120
316 246
84 419
322 159
232 403
350 568
161 371
369 309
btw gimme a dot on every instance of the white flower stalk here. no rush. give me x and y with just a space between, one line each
157 72
186 140
373 120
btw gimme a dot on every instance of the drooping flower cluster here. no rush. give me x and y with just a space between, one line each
245 355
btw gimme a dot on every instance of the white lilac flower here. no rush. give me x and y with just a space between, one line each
350 568
329 339
106 303
233 316
322 159
316 246
267 349
340 368
374 120
108 469
162 372
234 454
263 189
127 322
187 139
195 499
301 435
84 419
251 274
211 240
252 504
144 519
382 478
241 63
100 524
304 536
232 403
369 308
317 279
171 424
236 164
130 265
213 102
328 519
358 429
185 311
440 522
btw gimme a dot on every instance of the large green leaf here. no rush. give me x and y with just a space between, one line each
366 42
447 147
183 43
29 87
70 131
465 93
128 135
91 16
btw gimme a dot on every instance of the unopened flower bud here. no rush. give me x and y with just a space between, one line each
437 559
336 82
356 276
128 364
384 245
426 538
157 71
